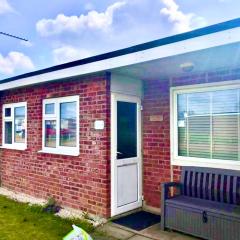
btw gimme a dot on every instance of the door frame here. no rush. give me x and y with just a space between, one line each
127 98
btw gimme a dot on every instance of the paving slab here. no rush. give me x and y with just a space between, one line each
116 232
139 237
155 232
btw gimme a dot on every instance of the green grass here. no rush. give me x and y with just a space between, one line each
20 221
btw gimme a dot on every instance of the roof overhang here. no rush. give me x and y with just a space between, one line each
205 60
202 40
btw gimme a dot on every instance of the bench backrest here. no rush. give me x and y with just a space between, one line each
219 185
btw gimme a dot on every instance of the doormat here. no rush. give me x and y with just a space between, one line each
138 221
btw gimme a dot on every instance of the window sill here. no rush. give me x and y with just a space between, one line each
14 148
60 152
208 163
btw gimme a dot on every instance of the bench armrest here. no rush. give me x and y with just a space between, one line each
165 195
166 187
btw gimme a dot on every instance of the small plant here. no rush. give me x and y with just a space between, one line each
51 201
51 206
86 216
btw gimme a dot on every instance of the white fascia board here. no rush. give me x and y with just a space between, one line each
172 49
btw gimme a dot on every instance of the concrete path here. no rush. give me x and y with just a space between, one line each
117 232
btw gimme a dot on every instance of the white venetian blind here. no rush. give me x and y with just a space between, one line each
209 124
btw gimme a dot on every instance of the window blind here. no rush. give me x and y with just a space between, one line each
209 124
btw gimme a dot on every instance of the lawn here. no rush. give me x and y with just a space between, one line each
20 221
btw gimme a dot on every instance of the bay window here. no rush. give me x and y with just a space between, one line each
14 126
61 125
206 126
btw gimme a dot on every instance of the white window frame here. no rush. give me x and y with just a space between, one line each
14 145
63 150
194 161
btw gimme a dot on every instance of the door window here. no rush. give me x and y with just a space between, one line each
126 130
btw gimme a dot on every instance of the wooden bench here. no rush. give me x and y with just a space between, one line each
205 203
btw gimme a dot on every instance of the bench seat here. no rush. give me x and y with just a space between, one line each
205 203
229 210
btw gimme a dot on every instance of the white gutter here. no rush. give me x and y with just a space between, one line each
172 49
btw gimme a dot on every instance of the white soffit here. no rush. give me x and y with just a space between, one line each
172 49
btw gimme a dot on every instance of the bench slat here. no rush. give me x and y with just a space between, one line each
204 184
188 184
234 190
193 184
210 186
199 185
228 189
216 187
222 189
183 180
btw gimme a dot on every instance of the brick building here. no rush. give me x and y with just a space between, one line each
101 134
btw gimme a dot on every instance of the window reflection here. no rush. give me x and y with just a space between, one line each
68 124
49 108
126 130
8 132
50 133
20 122
7 112
208 124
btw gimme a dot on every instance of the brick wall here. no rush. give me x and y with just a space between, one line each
81 182
156 135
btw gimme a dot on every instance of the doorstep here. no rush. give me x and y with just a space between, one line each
152 233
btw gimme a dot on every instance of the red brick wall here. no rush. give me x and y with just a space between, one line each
156 135
81 182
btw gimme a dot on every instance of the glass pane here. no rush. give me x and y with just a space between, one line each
198 103
20 128
126 130
182 124
182 106
211 127
7 112
199 138
182 138
225 137
68 124
49 108
225 101
50 133
8 133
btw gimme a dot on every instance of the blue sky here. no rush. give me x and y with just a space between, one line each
64 30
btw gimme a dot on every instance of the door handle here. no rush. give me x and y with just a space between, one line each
119 153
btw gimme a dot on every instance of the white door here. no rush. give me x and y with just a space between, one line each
126 161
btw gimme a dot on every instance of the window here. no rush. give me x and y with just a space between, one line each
14 126
61 125
126 130
206 126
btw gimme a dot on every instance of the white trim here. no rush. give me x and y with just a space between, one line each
14 145
60 152
168 50
202 86
63 150
192 161
114 98
113 151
